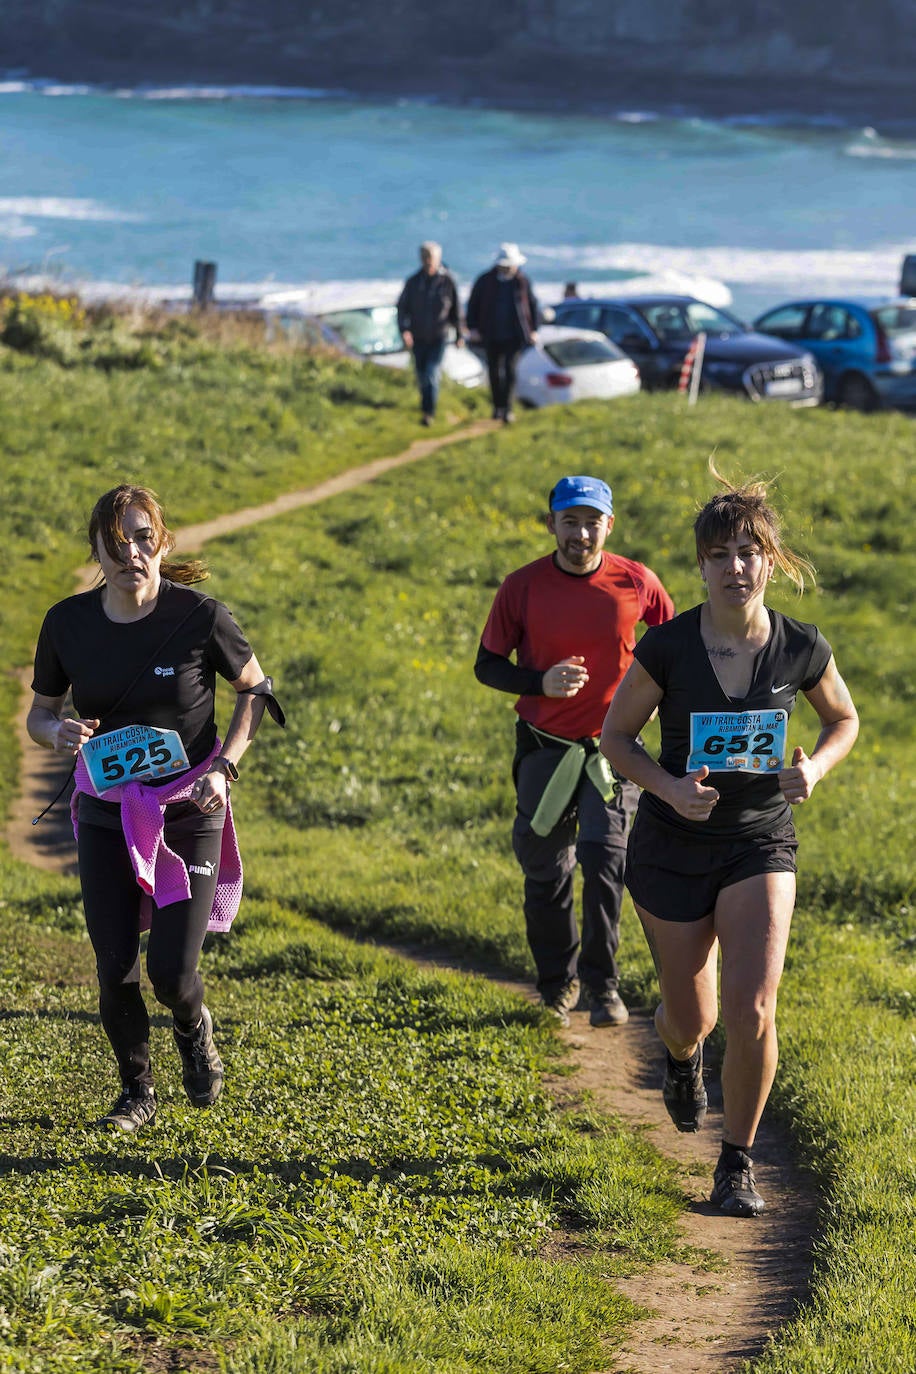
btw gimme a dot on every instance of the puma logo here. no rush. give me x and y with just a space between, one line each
205 870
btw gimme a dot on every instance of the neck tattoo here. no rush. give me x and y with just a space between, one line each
721 651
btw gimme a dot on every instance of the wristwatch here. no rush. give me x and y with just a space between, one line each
227 766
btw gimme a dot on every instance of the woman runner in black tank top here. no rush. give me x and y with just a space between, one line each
711 856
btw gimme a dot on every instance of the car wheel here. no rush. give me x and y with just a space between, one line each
856 392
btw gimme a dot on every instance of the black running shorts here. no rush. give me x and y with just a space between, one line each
676 878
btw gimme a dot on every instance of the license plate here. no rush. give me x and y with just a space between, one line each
136 753
738 741
785 386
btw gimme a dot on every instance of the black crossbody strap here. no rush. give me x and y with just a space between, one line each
155 654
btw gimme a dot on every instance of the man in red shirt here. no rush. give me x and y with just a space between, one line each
570 618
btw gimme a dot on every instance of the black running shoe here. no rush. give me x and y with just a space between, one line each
734 1186
683 1091
563 1002
608 1010
202 1068
134 1109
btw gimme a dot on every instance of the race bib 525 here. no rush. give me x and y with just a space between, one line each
135 753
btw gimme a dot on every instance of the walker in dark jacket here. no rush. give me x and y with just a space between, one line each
428 306
504 311
428 309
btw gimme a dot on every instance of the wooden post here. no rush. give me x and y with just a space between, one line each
204 283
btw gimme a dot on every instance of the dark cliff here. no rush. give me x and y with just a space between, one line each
761 55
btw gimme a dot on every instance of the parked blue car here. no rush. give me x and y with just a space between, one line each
866 350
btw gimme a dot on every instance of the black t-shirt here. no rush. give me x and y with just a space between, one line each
180 647
792 660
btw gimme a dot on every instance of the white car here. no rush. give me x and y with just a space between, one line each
371 332
573 365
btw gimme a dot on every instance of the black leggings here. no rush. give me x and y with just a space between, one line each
111 899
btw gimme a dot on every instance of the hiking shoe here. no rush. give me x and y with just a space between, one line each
562 1002
134 1109
683 1091
608 1010
734 1186
202 1068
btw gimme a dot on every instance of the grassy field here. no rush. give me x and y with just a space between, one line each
376 1190
211 425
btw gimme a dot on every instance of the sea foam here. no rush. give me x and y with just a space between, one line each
869 143
44 86
874 269
64 207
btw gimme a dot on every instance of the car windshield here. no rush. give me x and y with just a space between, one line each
684 319
897 320
581 352
370 330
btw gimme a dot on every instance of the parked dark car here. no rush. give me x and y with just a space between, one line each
656 331
866 350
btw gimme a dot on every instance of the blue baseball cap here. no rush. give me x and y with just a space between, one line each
582 491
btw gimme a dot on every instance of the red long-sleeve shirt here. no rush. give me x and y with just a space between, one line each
546 615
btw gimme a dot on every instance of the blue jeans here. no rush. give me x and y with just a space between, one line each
427 357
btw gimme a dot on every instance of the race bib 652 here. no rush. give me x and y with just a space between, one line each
738 741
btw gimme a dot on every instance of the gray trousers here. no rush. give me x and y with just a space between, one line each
594 834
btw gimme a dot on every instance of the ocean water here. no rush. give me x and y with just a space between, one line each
317 196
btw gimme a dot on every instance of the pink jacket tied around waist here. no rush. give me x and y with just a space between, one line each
161 873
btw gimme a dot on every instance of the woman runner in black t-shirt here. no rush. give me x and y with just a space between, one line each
155 839
711 855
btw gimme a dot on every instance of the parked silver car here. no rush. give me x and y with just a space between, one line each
371 332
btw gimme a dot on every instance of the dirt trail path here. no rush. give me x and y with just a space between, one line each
704 1321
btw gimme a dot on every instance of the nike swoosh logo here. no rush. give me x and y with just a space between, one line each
781 688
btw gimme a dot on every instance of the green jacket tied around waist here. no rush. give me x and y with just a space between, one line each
565 779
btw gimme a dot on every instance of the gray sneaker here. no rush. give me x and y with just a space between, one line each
683 1091
202 1068
134 1109
608 1010
562 1002
734 1186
